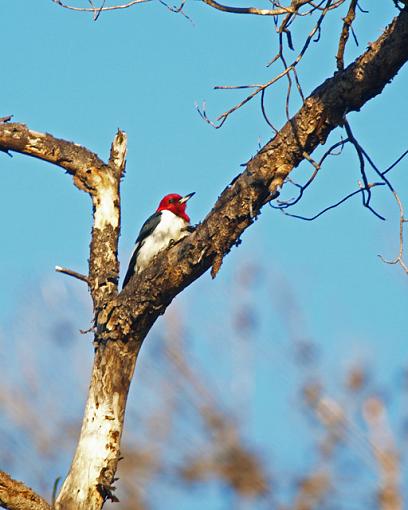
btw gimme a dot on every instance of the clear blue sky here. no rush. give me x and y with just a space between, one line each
143 70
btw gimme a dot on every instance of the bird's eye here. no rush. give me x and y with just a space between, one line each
171 201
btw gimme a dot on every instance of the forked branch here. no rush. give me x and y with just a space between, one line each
294 7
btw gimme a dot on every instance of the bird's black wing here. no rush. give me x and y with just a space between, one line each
147 228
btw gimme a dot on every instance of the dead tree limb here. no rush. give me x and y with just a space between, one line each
279 10
17 496
101 180
123 320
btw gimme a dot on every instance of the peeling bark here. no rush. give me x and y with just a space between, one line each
90 480
123 320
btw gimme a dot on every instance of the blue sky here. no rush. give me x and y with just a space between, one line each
143 70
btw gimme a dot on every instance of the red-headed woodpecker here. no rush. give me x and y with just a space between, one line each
169 223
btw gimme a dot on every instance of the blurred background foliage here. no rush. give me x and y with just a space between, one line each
234 409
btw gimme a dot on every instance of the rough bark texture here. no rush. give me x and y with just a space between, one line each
16 496
94 466
123 321
103 421
88 484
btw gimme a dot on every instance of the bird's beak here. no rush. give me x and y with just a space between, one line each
187 197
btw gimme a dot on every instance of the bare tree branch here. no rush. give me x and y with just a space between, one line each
348 20
17 496
399 259
253 10
92 175
293 8
359 191
102 426
96 9
78 161
285 204
72 273
291 68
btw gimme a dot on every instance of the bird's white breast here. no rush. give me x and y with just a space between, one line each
171 227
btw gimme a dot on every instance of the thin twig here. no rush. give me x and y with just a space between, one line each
317 166
311 218
54 492
399 259
364 11
259 88
178 10
348 20
361 154
265 116
72 273
96 9
395 162
98 12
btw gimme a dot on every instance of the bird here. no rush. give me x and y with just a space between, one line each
169 223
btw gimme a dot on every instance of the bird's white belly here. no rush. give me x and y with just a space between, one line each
171 227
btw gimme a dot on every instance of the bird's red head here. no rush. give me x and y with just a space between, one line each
176 204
